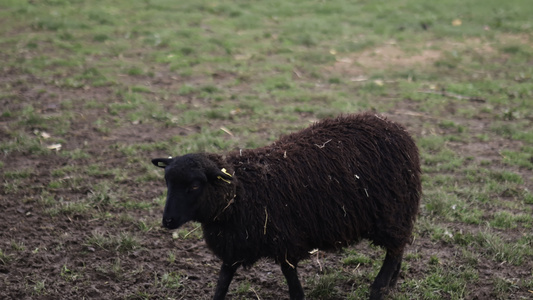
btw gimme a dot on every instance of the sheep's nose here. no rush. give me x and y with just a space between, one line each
167 222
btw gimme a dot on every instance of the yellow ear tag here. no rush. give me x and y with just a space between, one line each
225 172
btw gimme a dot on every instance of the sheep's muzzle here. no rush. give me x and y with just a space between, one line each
170 223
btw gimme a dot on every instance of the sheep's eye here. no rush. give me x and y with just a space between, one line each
194 187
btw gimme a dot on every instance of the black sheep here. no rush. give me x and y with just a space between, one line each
325 187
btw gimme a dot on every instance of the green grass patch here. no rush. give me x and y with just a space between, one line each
120 82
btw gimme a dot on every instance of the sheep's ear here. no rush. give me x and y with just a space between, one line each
161 162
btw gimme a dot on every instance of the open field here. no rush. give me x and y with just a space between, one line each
90 91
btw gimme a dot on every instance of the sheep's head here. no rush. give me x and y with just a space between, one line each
189 178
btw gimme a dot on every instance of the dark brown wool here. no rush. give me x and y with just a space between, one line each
325 187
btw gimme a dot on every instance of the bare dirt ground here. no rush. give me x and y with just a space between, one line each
56 248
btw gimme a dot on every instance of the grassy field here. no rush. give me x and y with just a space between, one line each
90 91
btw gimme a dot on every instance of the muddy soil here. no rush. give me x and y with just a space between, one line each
49 256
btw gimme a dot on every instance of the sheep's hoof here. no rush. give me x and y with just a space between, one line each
377 293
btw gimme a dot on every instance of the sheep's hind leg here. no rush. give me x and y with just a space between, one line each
296 291
387 276
224 279
395 276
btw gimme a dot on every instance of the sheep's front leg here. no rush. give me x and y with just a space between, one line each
296 291
224 279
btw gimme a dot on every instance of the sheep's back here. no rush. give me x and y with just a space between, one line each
332 184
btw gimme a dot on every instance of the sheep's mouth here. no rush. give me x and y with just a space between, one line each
172 223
